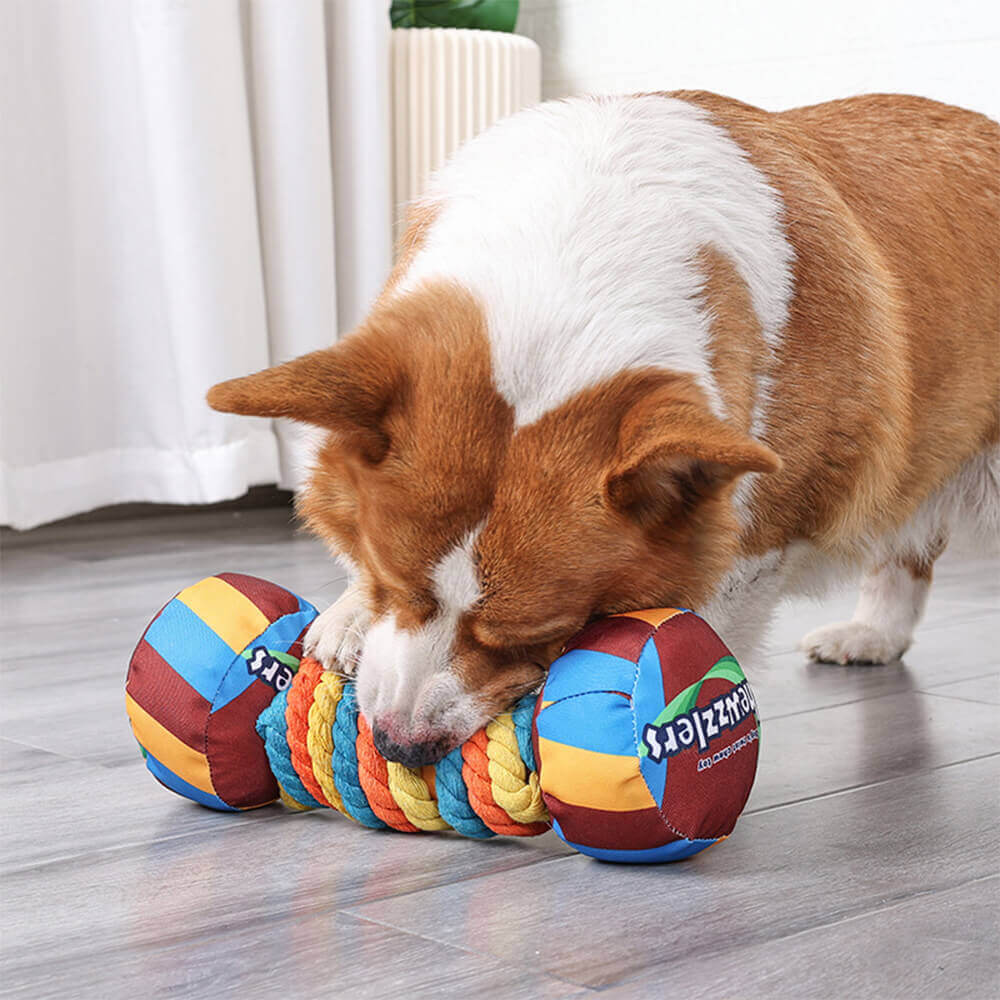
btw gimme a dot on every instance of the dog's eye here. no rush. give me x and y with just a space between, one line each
412 605
485 581
505 637
422 605
529 678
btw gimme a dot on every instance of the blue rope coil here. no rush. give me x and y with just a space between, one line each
453 798
345 762
523 714
273 729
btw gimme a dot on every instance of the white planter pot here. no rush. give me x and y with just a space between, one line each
448 84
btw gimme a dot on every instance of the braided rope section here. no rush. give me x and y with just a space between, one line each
322 754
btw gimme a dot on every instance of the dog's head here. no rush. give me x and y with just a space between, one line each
483 547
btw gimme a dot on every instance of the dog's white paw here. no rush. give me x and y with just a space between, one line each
336 636
852 642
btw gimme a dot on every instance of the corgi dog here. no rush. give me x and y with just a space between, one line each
647 351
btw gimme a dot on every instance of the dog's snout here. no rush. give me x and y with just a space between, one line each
414 754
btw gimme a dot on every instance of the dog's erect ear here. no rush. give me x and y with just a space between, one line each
344 388
673 453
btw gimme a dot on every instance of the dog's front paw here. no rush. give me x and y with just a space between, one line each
852 642
335 638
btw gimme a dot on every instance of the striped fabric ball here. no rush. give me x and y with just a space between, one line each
646 738
205 668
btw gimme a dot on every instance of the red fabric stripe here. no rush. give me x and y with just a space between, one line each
295 649
241 774
534 731
708 803
616 831
168 698
273 601
687 648
622 637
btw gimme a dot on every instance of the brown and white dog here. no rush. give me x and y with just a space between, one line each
646 351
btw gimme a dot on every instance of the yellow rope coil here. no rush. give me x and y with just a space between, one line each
514 790
288 801
414 797
319 740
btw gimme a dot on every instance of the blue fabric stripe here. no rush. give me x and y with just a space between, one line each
279 635
587 670
190 647
599 721
306 608
676 850
167 777
650 699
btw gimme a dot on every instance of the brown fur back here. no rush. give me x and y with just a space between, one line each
889 373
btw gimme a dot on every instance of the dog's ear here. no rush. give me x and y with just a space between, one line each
673 453
347 389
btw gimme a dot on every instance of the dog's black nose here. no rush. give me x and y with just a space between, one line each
409 754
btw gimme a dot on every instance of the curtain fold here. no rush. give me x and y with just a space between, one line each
170 178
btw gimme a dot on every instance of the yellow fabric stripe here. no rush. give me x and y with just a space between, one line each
612 782
235 619
171 752
652 616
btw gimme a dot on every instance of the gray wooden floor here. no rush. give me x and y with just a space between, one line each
865 866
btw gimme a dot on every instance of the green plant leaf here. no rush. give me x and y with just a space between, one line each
487 15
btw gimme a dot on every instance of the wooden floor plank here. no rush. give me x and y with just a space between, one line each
864 835
784 871
930 947
330 954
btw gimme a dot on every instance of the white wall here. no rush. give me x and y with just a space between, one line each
773 53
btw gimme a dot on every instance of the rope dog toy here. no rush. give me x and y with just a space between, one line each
321 753
228 713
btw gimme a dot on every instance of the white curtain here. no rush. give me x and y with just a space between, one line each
189 190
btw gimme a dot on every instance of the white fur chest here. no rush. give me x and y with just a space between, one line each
577 225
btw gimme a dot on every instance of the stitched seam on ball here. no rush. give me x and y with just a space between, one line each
208 719
672 619
635 734
580 694
208 722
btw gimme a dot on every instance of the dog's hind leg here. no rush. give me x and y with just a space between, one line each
892 600
894 590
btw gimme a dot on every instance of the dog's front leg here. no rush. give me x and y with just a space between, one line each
743 604
335 638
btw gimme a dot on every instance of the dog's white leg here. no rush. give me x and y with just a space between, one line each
892 600
744 603
335 638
